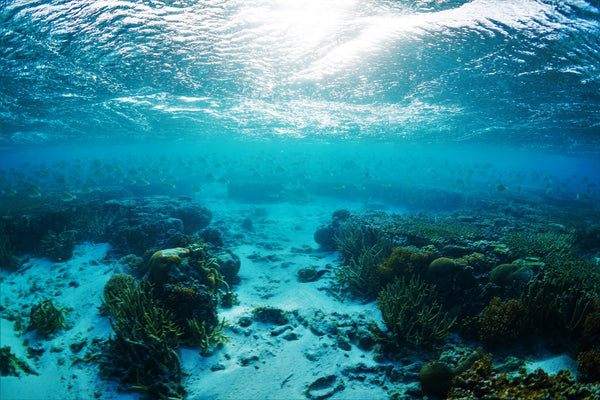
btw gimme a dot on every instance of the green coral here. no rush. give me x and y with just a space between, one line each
361 276
143 352
509 274
46 317
559 304
162 261
206 336
116 285
412 314
352 239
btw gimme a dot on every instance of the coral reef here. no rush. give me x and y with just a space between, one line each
143 352
588 364
560 304
502 322
194 309
46 317
412 314
58 247
482 382
405 262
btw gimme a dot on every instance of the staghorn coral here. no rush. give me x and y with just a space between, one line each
503 322
194 309
143 352
361 276
59 247
559 304
412 314
352 239
204 336
46 317
116 285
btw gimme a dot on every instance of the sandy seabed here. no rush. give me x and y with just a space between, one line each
259 361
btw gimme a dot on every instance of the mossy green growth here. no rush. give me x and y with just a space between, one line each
46 317
412 314
10 365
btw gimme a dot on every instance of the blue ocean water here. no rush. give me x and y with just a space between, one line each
516 81
513 72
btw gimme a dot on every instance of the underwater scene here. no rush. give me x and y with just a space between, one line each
319 199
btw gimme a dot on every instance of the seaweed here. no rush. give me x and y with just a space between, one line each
46 317
11 365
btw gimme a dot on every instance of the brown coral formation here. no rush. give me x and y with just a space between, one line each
503 321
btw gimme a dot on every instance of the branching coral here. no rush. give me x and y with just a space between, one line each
194 309
352 239
412 314
59 247
143 353
360 275
204 336
46 317
559 304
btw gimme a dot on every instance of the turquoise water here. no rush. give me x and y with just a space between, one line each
515 85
